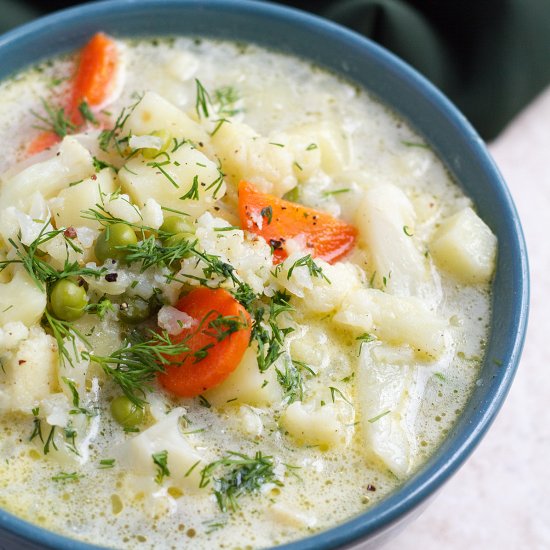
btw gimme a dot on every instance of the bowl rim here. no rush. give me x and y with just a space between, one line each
429 479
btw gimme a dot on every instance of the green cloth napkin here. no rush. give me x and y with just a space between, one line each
491 57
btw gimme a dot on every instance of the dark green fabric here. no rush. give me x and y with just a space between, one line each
491 57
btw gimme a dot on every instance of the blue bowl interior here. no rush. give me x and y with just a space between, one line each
406 93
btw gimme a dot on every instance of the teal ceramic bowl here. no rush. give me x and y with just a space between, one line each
413 98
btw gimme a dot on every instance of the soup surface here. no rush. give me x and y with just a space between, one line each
240 301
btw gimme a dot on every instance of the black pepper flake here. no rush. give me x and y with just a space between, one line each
371 487
111 277
21 362
275 244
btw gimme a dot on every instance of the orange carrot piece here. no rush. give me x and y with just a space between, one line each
95 76
42 142
216 343
277 220
93 83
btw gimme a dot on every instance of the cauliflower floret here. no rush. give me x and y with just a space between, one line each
30 371
251 257
11 334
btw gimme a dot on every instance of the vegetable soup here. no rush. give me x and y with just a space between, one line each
240 300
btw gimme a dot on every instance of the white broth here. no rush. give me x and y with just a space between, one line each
352 371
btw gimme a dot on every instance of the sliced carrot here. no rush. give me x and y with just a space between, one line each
93 83
277 220
96 75
216 343
42 142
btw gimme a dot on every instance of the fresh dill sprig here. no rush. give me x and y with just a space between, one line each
64 476
37 425
41 272
65 332
364 338
193 192
378 417
114 134
225 99
106 463
160 167
291 381
133 366
335 391
55 120
313 268
217 183
101 307
266 332
86 112
150 253
202 101
160 460
336 192
241 475
74 392
222 326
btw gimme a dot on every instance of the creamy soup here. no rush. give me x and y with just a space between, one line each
240 300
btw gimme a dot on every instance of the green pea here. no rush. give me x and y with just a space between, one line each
125 412
134 310
166 138
118 234
176 224
68 300
175 240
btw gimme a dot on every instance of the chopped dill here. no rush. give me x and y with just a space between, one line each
313 268
64 476
135 365
240 475
203 402
193 192
202 101
378 417
336 192
267 213
160 460
41 272
225 99
106 463
55 120
160 167
335 391
86 112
